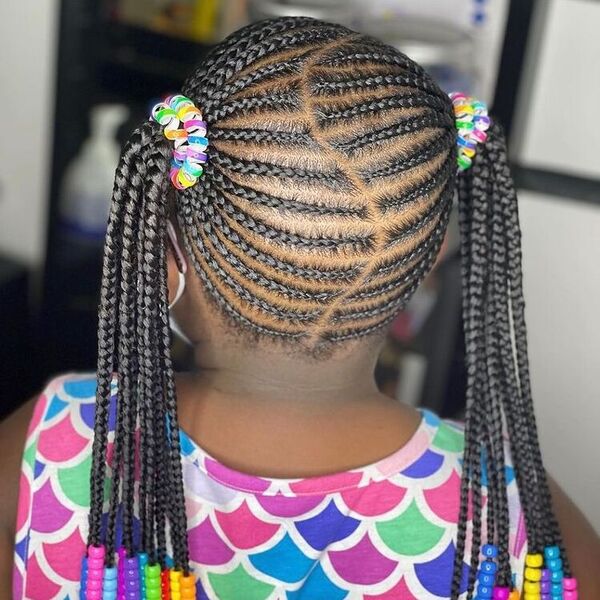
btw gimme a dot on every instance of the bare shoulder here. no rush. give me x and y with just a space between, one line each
581 541
13 431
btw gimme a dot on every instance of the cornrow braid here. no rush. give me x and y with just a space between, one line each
330 180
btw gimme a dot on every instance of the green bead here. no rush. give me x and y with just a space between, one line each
464 162
153 571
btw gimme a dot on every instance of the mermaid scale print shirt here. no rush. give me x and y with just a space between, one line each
382 531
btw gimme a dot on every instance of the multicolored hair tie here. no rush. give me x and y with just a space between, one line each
183 124
472 122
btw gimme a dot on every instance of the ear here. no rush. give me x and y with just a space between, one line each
176 267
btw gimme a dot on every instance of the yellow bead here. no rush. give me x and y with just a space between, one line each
527 596
175 595
175 574
534 560
532 587
533 574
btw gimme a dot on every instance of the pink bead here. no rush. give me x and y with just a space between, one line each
95 563
94 584
569 583
93 594
96 551
95 573
570 595
501 593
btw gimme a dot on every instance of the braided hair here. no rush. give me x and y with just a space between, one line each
324 203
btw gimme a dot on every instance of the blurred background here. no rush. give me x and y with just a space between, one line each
78 76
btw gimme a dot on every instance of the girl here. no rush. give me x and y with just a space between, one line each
284 249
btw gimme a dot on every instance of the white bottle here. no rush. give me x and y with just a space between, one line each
88 181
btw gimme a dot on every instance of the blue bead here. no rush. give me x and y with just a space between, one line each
484 591
556 576
109 595
110 573
487 566
489 551
109 585
556 597
551 552
486 578
556 589
554 564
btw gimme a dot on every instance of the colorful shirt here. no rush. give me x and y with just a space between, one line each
382 531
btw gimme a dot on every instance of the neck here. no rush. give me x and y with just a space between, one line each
270 413
263 376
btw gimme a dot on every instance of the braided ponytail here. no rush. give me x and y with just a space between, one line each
134 342
499 405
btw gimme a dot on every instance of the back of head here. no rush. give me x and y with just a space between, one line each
331 173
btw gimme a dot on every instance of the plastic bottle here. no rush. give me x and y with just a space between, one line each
88 181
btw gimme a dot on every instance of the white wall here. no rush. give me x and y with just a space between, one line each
559 121
561 249
27 72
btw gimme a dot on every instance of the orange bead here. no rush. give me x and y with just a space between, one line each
188 581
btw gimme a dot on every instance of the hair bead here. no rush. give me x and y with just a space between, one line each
184 126
472 122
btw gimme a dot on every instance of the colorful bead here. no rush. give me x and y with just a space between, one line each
95 571
188 587
488 566
551 552
545 574
165 586
545 587
533 574
83 578
556 589
142 562
175 583
489 550
501 593
570 595
183 124
534 560
96 551
472 121
514 595
532 587
122 554
569 583
556 577
554 564
152 582
109 583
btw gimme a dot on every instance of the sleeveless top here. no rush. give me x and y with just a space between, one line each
382 531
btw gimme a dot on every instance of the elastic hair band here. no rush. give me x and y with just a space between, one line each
472 122
183 125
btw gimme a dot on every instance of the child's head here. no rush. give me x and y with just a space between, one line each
330 178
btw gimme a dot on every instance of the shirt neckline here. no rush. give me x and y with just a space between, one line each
396 462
